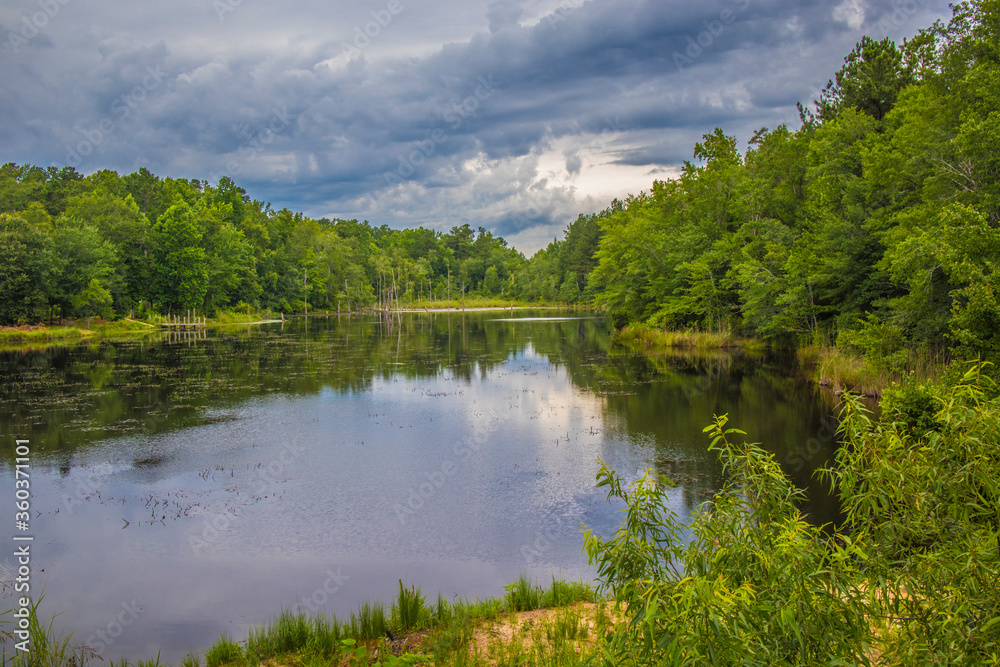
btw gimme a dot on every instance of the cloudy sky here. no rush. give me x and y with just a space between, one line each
507 114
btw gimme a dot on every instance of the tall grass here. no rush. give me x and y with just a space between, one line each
409 611
525 595
370 622
41 334
840 369
239 316
648 338
47 649
445 632
223 652
291 632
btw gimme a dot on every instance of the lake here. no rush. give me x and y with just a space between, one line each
186 485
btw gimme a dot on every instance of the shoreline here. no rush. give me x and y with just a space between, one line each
41 335
832 369
411 629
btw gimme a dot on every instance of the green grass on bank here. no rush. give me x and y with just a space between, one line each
41 333
844 370
411 630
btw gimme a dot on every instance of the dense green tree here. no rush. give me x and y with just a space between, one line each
94 299
82 255
27 270
870 81
181 271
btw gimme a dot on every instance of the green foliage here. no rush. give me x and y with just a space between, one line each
523 594
921 489
94 300
882 343
370 621
27 270
908 578
182 273
875 223
409 611
223 652
754 585
47 649
164 245
870 80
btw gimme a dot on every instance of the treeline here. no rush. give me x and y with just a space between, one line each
874 225
111 245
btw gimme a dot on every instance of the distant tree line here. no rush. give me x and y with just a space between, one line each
110 245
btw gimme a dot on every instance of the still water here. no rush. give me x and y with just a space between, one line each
197 484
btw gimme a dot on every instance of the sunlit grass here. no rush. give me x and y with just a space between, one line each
841 370
415 630
652 339
41 333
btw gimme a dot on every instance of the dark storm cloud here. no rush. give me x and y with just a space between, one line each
416 113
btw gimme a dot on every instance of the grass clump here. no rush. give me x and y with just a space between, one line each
525 595
223 652
409 612
40 333
370 622
648 338
844 369
46 648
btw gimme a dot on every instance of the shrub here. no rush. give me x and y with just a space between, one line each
754 585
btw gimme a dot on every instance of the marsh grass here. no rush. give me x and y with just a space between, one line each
370 622
41 333
651 339
239 316
524 595
223 652
438 631
409 612
47 648
476 302
841 370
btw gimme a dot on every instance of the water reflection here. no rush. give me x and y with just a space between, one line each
219 476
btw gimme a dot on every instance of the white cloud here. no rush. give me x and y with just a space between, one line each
850 12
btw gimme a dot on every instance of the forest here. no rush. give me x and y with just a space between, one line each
111 245
874 225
